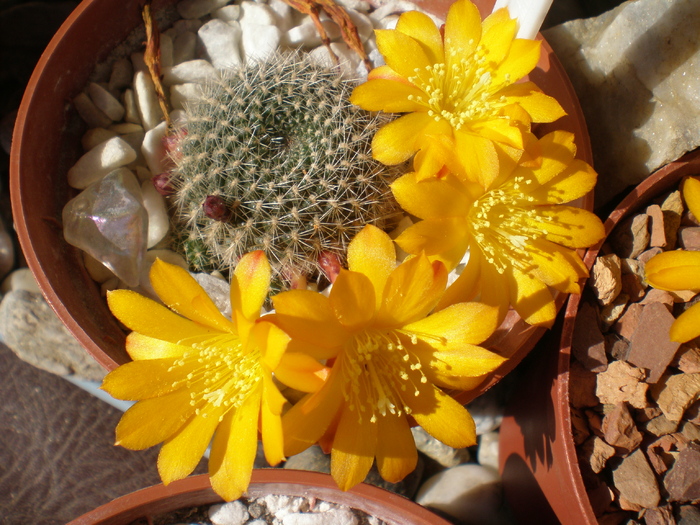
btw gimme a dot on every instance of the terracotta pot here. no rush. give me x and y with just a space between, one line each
538 458
46 143
196 490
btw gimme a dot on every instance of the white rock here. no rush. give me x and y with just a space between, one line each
95 136
305 34
153 148
20 279
190 9
233 513
255 13
131 108
147 100
98 271
258 42
166 51
104 100
388 22
221 43
99 161
284 14
178 118
182 94
467 492
122 74
124 128
184 47
487 411
401 6
365 27
199 71
89 112
349 61
135 140
143 173
438 451
229 13
185 25
357 5
339 516
109 285
487 454
217 289
158 222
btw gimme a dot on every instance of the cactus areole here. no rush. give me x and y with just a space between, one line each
275 158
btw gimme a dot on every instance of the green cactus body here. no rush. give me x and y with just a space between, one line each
279 145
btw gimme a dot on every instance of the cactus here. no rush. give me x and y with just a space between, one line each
274 157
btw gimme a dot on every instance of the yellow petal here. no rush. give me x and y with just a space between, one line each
182 294
233 449
372 253
252 283
396 449
354 447
147 317
463 323
461 369
142 347
442 417
396 142
557 266
144 379
574 182
568 226
411 291
402 53
531 298
308 316
521 59
498 33
301 372
152 421
540 107
271 422
500 130
272 341
467 284
448 236
387 95
445 197
462 31
308 420
494 289
687 326
423 30
676 270
691 195
556 151
478 156
353 299
181 453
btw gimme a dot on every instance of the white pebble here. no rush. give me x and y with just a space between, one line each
20 279
153 149
487 454
166 51
143 173
349 61
158 222
184 47
388 22
190 9
98 271
178 118
199 71
365 28
255 13
229 13
284 14
338 516
95 136
131 109
147 100
123 128
121 75
258 42
182 94
89 112
221 43
357 5
109 285
233 513
305 34
185 25
401 6
467 492
104 100
135 140
99 161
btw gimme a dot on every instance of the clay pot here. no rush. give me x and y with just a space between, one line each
196 490
46 143
538 458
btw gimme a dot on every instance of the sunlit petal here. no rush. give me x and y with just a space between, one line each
691 194
402 53
387 95
674 270
308 316
372 253
353 451
531 298
423 30
396 142
301 372
141 347
431 198
352 299
463 323
541 107
569 226
687 326
462 30
396 449
251 284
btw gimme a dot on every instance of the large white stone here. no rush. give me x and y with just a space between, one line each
89 112
258 42
305 34
635 70
182 94
131 108
95 136
190 9
158 222
229 13
487 453
20 279
284 14
153 149
147 100
232 513
184 47
166 51
99 161
255 13
199 71
122 74
221 41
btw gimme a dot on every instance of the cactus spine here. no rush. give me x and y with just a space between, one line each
275 158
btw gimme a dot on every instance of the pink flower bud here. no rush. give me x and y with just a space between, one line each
215 208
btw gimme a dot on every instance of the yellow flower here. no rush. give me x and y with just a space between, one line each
198 375
680 270
459 92
520 239
389 355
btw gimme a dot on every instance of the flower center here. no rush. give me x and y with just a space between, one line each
502 224
379 373
461 92
218 372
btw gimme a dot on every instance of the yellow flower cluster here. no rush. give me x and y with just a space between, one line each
373 356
